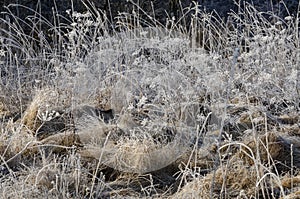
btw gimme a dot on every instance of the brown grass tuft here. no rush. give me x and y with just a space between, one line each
230 181
275 150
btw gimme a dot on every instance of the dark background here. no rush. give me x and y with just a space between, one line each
162 8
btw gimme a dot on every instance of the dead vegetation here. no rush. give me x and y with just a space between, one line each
145 114
76 158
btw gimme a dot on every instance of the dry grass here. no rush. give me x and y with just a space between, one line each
149 113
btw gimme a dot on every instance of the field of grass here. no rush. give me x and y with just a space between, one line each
194 108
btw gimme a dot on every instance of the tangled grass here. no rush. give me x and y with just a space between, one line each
135 110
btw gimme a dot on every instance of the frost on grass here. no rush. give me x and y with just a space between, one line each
147 101
151 108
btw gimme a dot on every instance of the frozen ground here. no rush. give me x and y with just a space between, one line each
207 112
